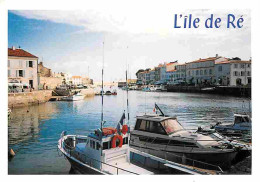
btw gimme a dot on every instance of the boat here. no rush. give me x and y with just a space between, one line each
242 123
165 137
108 92
75 97
107 151
114 92
146 89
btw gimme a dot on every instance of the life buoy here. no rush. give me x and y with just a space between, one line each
114 139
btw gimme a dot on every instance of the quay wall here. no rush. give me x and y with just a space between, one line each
223 90
28 98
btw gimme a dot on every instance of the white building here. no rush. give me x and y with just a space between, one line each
22 67
233 72
76 80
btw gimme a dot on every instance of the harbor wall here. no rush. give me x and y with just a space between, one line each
28 98
222 90
49 82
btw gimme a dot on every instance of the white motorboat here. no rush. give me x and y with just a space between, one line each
108 152
164 136
74 97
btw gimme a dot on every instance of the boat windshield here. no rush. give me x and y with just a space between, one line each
171 125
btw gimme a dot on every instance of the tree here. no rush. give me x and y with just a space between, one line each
236 58
139 71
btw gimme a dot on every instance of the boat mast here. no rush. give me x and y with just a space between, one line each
102 94
127 102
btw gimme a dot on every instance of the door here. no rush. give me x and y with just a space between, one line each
31 83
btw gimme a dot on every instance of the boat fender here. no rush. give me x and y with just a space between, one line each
124 129
120 138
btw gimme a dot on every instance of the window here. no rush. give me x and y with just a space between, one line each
21 73
125 140
105 145
220 68
248 65
30 64
197 72
189 73
248 73
201 72
171 125
210 71
235 65
242 73
205 72
235 73
92 144
97 146
242 65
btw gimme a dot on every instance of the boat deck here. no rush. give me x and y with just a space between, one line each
131 169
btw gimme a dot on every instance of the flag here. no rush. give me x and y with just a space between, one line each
121 123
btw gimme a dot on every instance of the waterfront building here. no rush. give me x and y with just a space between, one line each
22 67
152 76
76 80
233 72
44 71
180 73
160 74
202 71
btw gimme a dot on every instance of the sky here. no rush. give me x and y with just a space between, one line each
71 41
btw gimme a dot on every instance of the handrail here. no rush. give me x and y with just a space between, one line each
91 159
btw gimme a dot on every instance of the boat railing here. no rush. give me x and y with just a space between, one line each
88 160
183 159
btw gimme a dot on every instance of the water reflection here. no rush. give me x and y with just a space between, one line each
34 134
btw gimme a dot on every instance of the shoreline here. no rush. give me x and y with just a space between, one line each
22 99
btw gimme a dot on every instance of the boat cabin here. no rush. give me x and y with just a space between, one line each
110 150
158 124
239 118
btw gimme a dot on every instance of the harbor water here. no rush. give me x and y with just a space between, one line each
33 131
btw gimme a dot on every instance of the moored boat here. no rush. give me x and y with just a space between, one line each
162 135
75 97
242 123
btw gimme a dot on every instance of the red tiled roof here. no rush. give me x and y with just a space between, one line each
171 70
233 61
76 76
20 53
203 60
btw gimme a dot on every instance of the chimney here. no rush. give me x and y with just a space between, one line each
13 47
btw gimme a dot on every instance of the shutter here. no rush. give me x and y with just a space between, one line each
23 73
33 63
27 64
17 74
